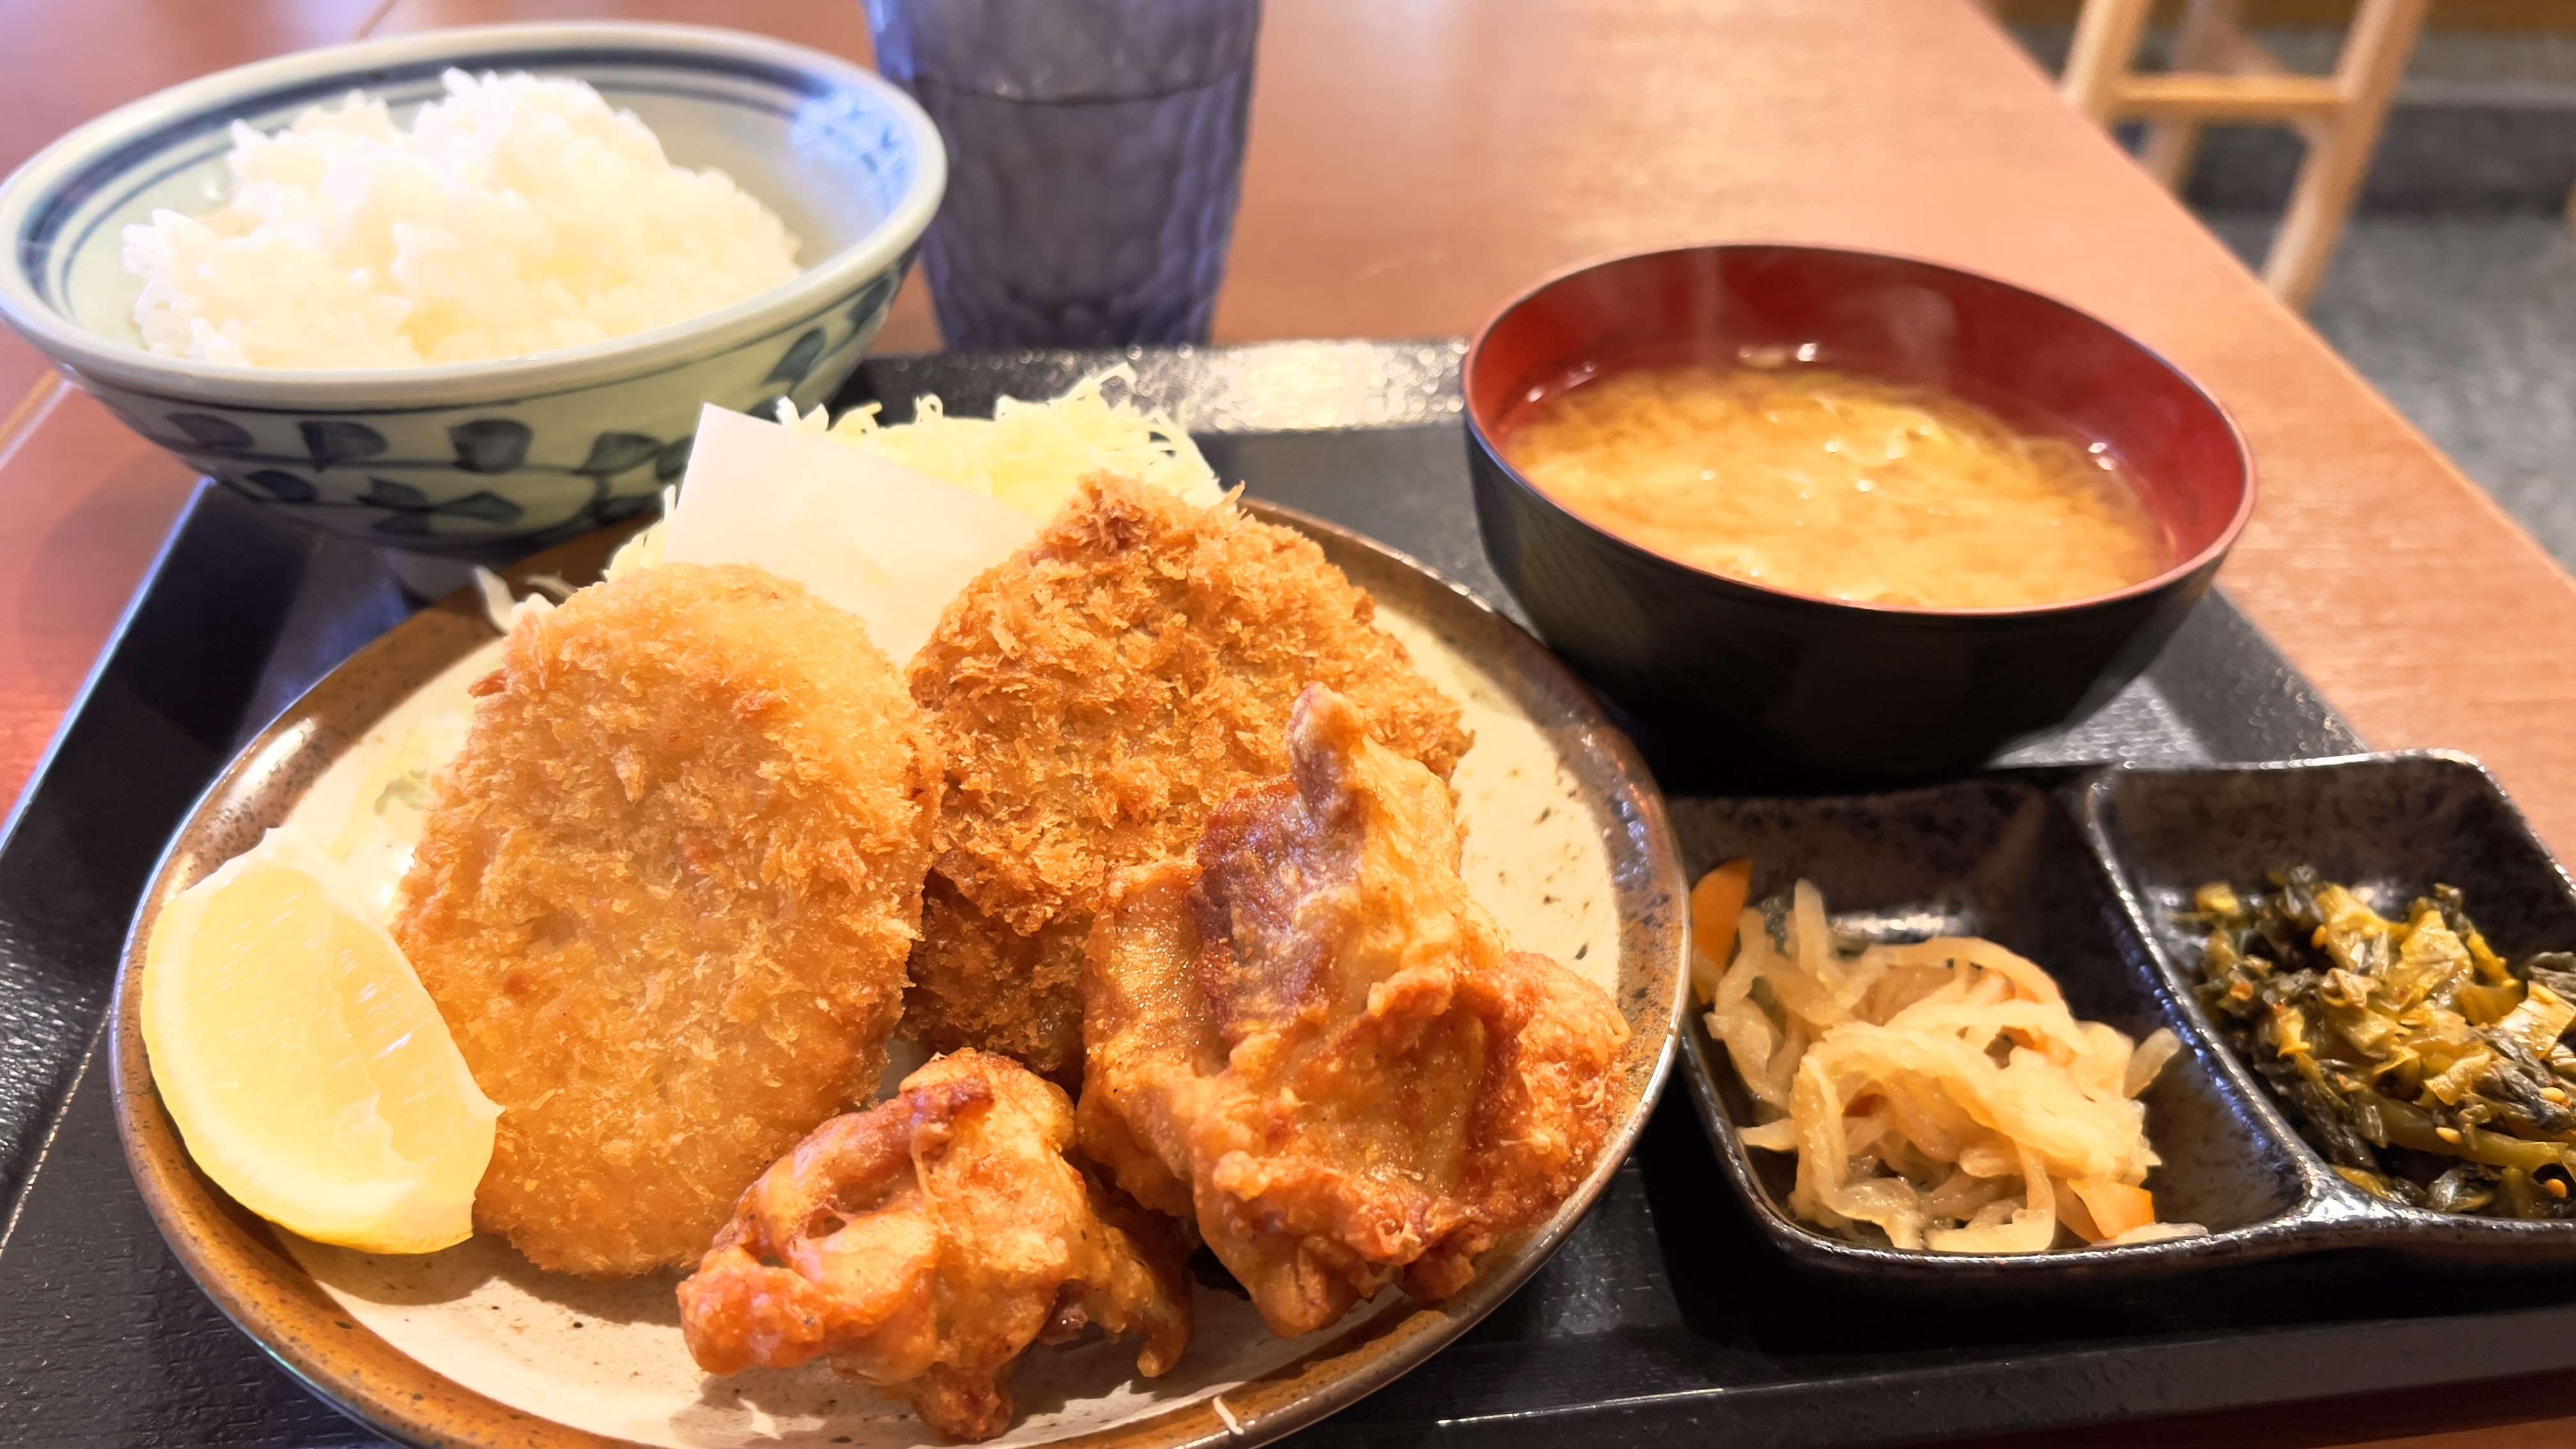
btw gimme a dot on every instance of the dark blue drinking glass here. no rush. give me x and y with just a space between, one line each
1095 154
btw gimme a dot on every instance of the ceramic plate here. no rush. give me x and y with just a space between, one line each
1566 843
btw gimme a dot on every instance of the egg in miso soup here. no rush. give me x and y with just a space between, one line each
1832 484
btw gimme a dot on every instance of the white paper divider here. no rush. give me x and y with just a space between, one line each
886 543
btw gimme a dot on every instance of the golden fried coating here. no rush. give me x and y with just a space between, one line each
924 1244
1314 1041
664 899
1096 697
977 982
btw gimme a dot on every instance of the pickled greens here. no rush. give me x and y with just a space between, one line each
2428 1069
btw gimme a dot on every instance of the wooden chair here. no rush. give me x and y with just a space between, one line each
2222 74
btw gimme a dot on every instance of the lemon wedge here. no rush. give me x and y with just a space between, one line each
306 1067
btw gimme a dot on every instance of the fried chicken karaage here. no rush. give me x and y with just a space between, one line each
922 1245
664 899
1096 698
1313 1042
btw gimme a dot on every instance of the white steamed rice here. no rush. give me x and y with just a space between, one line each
516 216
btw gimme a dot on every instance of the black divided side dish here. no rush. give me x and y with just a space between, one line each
1998 856
2392 826
1671 1316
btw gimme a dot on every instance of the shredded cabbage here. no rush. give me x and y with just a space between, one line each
1031 454
644 550
1939 1090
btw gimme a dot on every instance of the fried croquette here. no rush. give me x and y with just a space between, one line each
1311 1040
663 899
1095 698
924 1244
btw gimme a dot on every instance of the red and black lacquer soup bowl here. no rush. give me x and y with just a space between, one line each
1736 682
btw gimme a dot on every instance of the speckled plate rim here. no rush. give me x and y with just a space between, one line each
242 1265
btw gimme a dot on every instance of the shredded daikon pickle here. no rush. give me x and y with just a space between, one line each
1030 455
1938 1090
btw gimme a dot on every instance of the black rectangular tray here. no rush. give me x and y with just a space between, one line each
1664 1319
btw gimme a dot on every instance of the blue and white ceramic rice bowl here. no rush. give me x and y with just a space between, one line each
486 459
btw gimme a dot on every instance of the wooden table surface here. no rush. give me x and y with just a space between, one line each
1413 162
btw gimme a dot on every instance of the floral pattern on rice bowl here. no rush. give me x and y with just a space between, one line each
494 480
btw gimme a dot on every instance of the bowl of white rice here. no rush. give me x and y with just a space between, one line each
463 293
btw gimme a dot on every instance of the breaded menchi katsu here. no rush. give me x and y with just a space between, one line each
664 898
1095 698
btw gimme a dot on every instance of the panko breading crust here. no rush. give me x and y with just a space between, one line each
664 898
1313 1042
924 1244
1096 697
